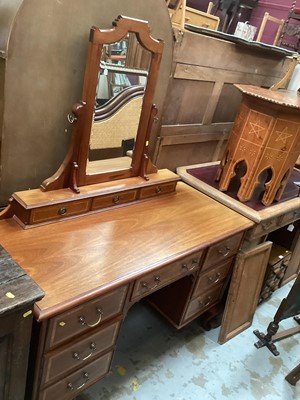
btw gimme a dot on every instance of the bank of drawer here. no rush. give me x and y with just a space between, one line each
69 387
222 250
58 211
156 280
212 277
157 190
114 199
203 302
88 315
78 352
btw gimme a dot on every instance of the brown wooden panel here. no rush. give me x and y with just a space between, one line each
245 287
186 102
178 155
228 104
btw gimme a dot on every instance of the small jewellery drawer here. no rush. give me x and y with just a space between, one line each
88 315
114 199
212 277
156 190
222 250
203 302
76 354
68 388
58 211
161 277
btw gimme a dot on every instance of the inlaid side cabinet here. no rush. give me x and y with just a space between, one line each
18 292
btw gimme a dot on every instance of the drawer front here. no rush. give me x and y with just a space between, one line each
69 387
203 302
114 199
222 250
157 190
212 278
289 217
86 316
76 354
157 279
58 211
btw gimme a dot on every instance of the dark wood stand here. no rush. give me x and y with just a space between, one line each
289 307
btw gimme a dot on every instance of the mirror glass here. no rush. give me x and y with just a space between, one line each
122 78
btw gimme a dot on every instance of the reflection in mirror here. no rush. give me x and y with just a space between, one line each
121 84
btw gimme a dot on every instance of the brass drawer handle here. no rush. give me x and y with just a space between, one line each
145 285
62 210
158 189
192 267
70 385
226 252
211 279
205 304
76 355
83 321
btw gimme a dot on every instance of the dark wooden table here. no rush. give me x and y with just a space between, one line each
18 292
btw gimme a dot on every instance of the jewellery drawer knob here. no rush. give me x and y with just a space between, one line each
146 286
82 320
62 210
158 189
116 199
70 385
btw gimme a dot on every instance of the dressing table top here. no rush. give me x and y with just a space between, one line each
78 259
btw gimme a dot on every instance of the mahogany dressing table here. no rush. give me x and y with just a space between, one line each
98 241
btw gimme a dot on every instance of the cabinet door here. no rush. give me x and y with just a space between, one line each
244 290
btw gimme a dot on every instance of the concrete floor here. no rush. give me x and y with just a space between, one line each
154 361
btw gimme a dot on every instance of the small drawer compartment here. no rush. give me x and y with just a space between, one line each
86 316
57 211
157 279
157 190
114 199
68 388
212 277
203 302
222 250
76 354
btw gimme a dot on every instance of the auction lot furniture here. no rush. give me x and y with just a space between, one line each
93 268
100 235
265 136
278 222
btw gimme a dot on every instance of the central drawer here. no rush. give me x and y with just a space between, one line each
86 316
165 275
72 356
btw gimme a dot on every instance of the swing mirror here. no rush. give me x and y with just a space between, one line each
112 123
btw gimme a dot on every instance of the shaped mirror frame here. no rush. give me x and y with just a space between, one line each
72 173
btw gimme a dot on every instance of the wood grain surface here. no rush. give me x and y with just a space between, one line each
76 260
